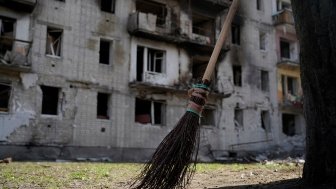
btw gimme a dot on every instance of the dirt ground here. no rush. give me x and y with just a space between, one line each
249 176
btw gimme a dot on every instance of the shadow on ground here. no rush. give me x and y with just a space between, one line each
284 184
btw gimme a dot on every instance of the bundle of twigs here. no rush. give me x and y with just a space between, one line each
172 163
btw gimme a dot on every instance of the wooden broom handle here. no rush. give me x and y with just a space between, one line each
222 36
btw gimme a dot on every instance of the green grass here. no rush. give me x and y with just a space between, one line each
94 175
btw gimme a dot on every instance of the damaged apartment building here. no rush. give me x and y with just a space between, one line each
109 78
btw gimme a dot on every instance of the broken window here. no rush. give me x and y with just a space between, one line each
105 52
198 69
285 49
7 26
151 60
289 85
49 100
260 5
61 0
103 106
288 124
149 112
235 34
265 120
5 92
155 8
264 80
238 118
54 41
108 6
208 117
203 25
237 75
262 41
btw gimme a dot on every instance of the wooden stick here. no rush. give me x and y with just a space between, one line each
222 36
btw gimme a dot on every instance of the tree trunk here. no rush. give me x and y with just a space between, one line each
315 22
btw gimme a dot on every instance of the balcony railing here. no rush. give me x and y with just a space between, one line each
285 16
14 54
22 5
292 101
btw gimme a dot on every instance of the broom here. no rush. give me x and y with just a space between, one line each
171 165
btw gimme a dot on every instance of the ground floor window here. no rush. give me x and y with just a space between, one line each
5 92
149 112
288 124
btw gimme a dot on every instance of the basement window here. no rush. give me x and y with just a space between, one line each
155 8
54 41
49 100
7 26
238 118
262 41
237 75
208 117
265 121
264 80
108 6
105 53
5 92
103 106
150 60
288 124
149 112
235 34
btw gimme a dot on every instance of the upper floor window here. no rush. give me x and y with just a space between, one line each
108 5
150 60
262 41
54 41
237 75
235 34
283 4
105 52
260 5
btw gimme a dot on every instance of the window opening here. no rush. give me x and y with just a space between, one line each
264 80
49 100
105 52
102 106
288 124
108 6
208 117
265 120
54 41
235 34
262 41
238 118
5 92
237 75
7 27
284 49
149 112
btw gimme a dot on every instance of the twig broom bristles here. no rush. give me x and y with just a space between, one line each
171 165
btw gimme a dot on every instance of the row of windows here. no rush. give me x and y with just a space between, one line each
237 78
146 111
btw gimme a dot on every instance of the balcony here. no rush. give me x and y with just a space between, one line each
291 102
150 26
284 20
14 54
22 5
288 64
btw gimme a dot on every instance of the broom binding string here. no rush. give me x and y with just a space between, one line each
198 97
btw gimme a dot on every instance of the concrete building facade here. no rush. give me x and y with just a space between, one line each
109 78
